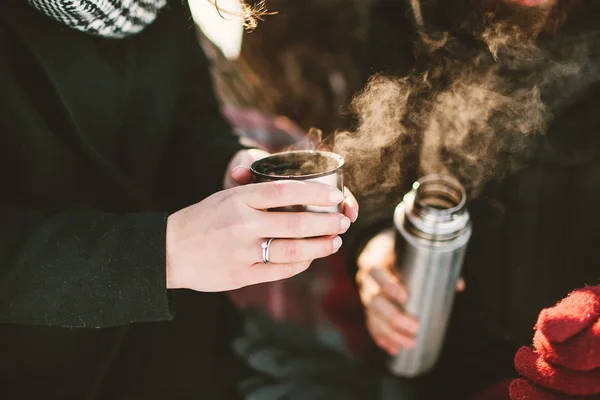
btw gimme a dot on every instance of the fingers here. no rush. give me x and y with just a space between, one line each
389 284
385 335
461 285
398 320
289 251
242 159
383 294
299 224
262 273
291 193
241 175
381 340
379 251
350 204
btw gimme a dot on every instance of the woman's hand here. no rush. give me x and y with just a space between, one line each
215 245
240 174
383 294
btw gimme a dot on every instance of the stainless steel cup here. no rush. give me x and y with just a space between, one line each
302 165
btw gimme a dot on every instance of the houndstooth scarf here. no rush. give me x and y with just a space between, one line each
107 18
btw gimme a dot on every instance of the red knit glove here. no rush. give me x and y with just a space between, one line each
522 389
575 313
530 365
567 357
569 333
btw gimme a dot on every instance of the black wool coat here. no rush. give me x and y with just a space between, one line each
101 139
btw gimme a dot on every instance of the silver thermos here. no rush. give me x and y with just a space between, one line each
432 232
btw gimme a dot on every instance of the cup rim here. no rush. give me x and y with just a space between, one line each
333 156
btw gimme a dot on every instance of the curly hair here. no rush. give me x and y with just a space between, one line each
250 14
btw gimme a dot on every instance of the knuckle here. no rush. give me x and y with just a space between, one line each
334 224
247 223
390 288
360 276
227 195
377 301
327 247
370 325
280 190
297 224
291 252
398 320
234 227
379 341
233 218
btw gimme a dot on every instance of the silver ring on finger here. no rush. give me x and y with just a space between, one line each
266 250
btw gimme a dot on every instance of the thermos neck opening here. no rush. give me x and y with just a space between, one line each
435 208
439 195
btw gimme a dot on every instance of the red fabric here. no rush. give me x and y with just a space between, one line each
580 353
567 357
530 365
522 389
578 311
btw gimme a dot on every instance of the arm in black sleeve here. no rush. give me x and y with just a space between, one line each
71 267
82 268
63 265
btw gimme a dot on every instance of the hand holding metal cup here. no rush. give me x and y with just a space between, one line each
301 165
261 232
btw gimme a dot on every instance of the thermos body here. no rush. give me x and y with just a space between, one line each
432 229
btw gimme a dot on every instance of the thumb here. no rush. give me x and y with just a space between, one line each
241 175
461 285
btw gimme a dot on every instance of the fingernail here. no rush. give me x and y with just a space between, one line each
355 217
336 197
337 243
344 223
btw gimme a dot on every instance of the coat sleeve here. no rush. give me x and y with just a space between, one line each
82 268
61 264
72 267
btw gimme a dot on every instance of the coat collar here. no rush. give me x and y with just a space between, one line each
88 103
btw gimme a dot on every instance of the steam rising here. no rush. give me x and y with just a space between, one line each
474 113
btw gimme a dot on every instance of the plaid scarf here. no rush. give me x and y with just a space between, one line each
106 18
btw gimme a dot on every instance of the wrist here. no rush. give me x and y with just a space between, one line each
170 245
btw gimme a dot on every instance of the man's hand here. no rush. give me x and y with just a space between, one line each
383 294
